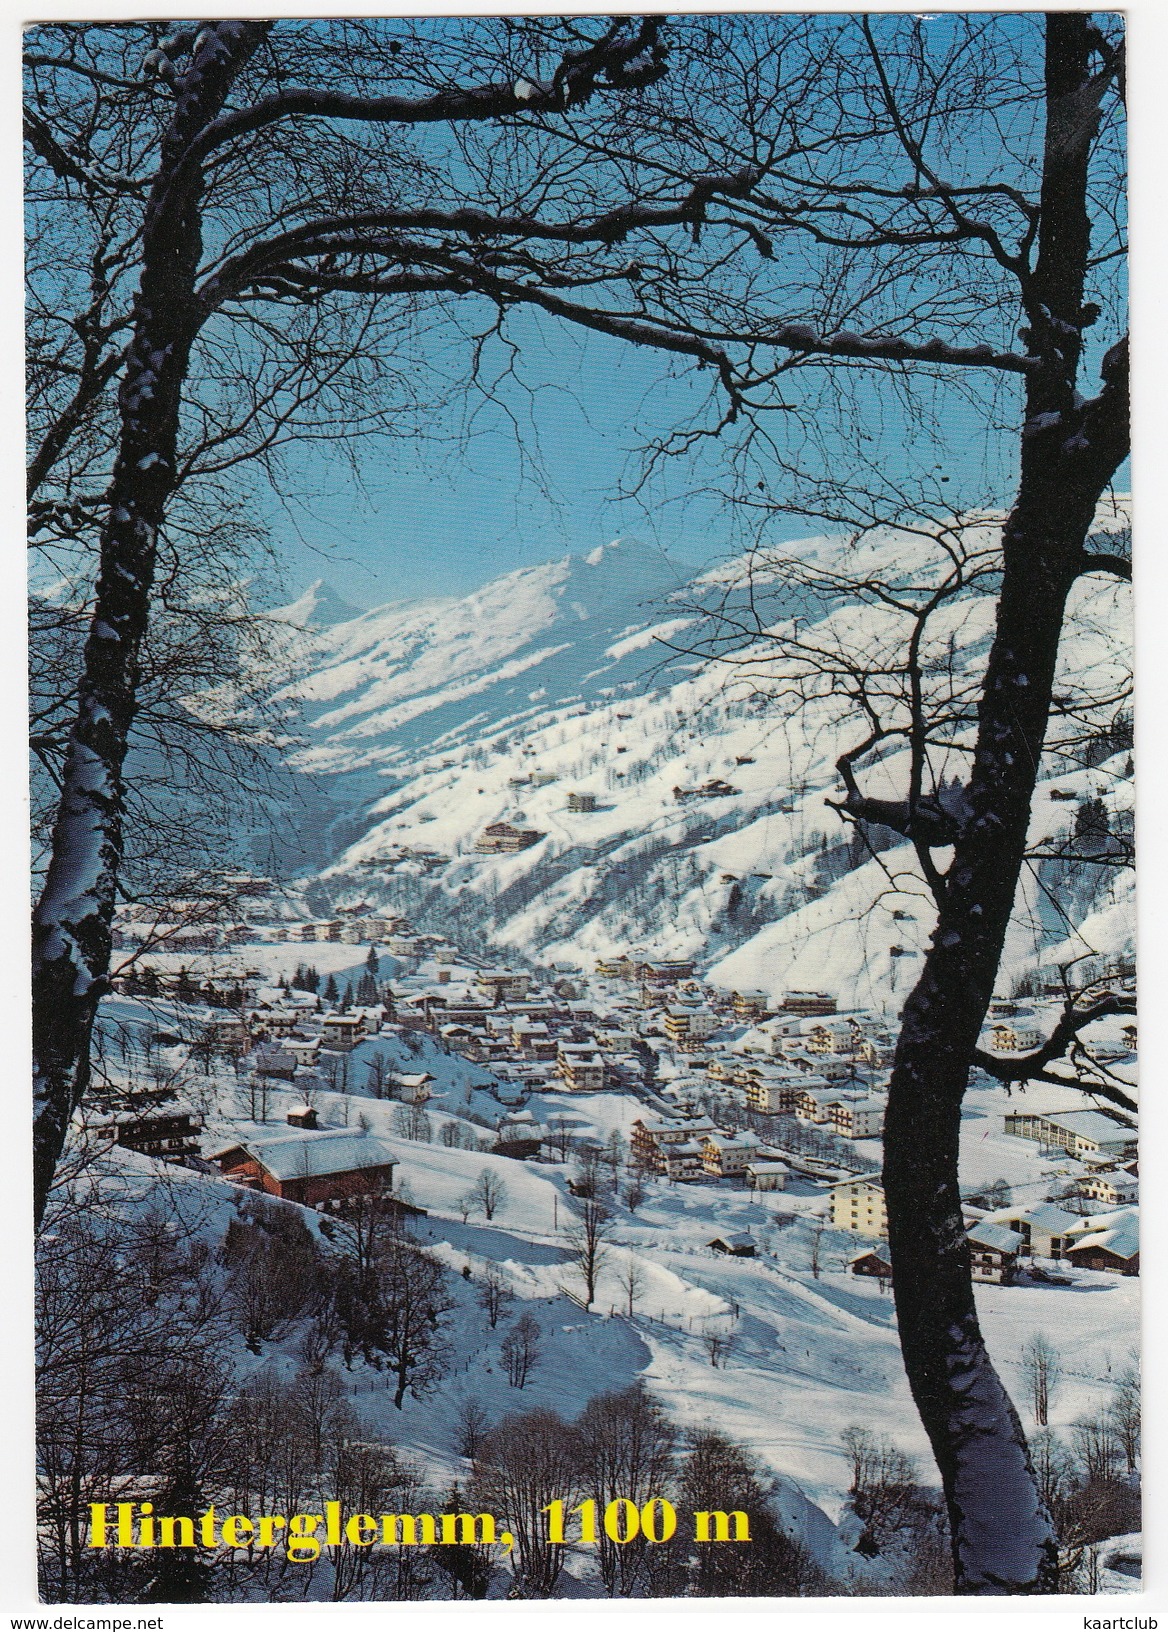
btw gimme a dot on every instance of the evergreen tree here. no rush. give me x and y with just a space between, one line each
330 990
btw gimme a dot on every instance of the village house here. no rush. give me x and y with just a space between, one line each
858 1118
499 986
873 1261
168 1133
858 1205
683 1162
668 972
581 1067
767 1175
1043 1229
839 1035
272 1022
808 1003
311 1168
726 1155
413 1087
649 1139
815 1105
301 1116
581 801
750 1005
274 1061
686 1027
993 1252
741 1245
771 1094
502 839
1107 1241
229 1029
304 1050
1114 1188
342 1032
533 1039
1012 1038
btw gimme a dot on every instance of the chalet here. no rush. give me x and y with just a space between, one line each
532 1038
872 1261
500 838
858 1118
275 1062
303 1050
342 1032
767 1175
713 789
750 1005
615 968
858 1205
582 801
725 1155
808 1003
310 1167
650 1140
581 1067
229 1029
272 1022
1115 1189
993 1252
301 1116
1107 1241
1012 1038
413 1086
683 1161
823 1067
815 1105
168 1133
771 1094
741 1245
1112 1250
685 1026
665 971
502 985
1043 1230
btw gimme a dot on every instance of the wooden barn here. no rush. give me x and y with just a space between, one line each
311 1167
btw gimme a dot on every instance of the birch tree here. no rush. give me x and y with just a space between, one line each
192 177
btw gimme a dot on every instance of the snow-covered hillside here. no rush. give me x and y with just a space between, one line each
699 725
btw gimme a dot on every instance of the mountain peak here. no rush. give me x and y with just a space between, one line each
319 607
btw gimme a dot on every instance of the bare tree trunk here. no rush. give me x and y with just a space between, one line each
73 919
1002 1536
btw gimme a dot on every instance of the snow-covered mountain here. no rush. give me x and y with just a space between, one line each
707 767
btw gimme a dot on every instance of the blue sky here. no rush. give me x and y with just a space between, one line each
536 481
551 474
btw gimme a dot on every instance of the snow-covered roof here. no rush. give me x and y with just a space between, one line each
1123 1241
1106 1221
1046 1214
314 1155
996 1236
1092 1125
